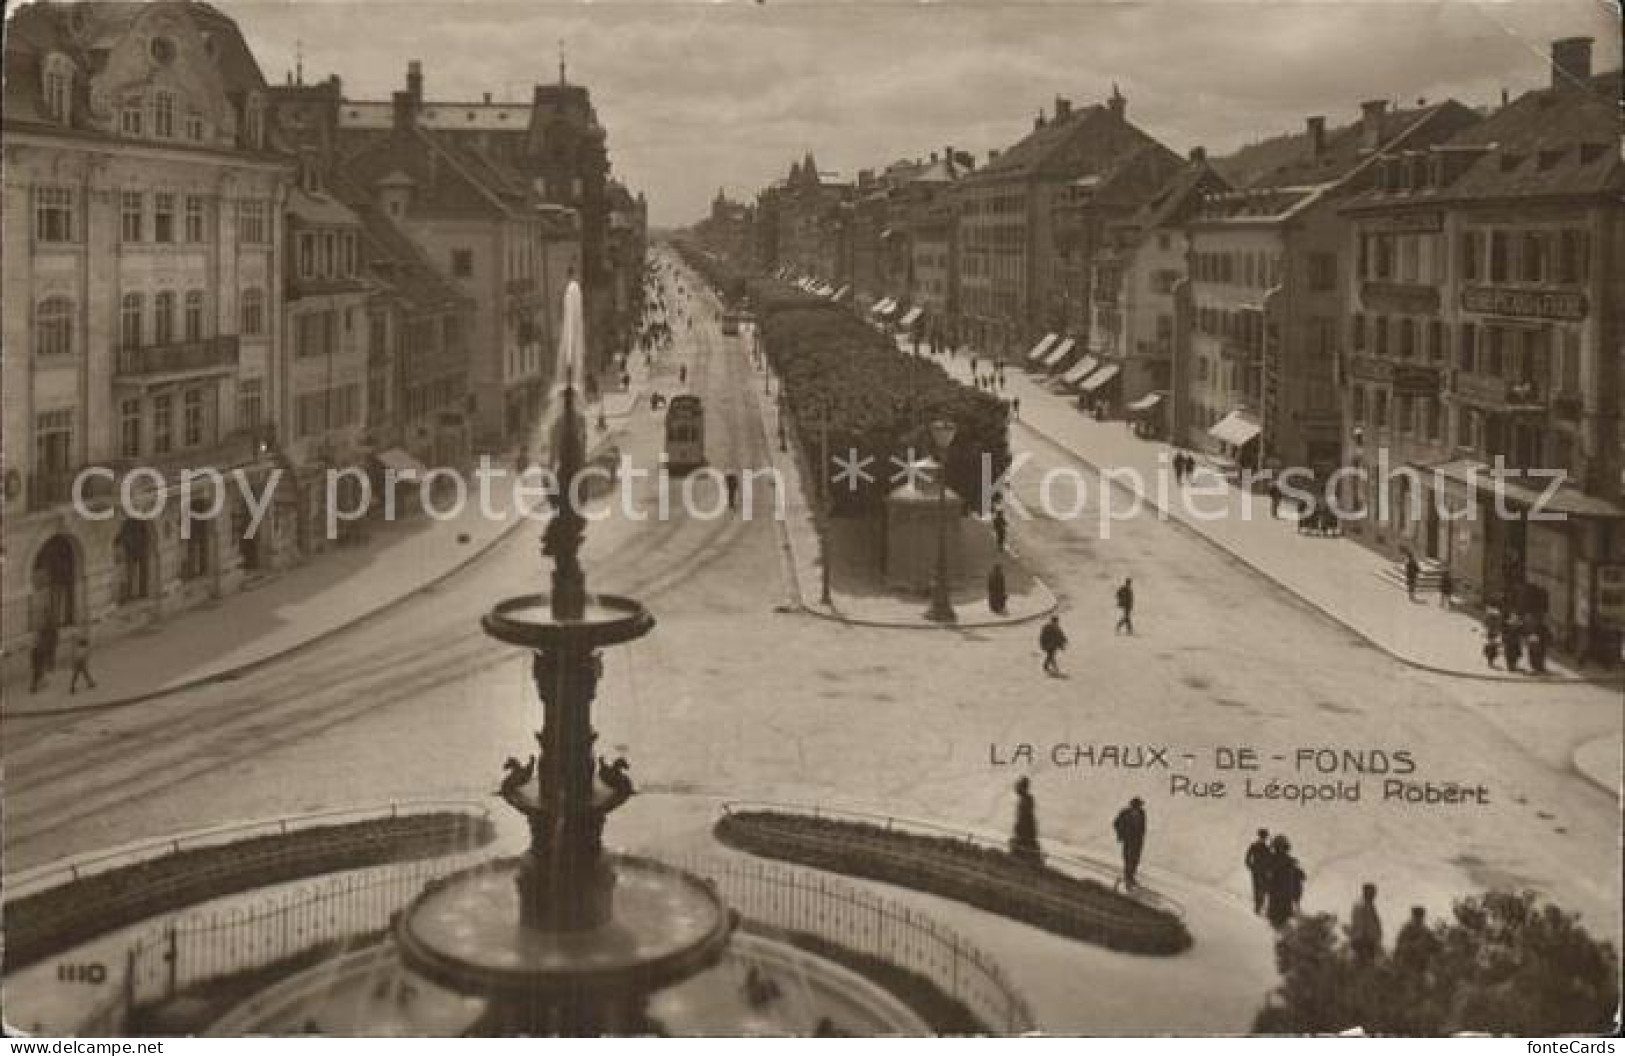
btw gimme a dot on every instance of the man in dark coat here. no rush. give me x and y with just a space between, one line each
997 593
1024 841
1000 528
1258 862
1412 572
1052 640
1130 828
1125 604
1286 883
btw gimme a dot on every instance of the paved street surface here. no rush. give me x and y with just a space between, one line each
730 698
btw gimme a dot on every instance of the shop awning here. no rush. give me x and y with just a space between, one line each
1080 370
1235 429
1148 402
842 292
1525 490
1100 378
1038 350
402 463
1057 355
912 314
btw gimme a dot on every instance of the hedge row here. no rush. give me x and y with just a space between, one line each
986 878
881 402
63 917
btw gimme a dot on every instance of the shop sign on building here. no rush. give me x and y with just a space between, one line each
1531 304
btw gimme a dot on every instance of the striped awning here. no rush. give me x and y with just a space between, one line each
1235 429
1100 378
1038 350
1080 370
1057 355
912 314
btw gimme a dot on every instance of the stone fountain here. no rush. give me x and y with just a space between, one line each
567 938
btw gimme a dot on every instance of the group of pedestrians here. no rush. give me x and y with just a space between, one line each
1512 635
1277 877
1183 465
1052 639
43 656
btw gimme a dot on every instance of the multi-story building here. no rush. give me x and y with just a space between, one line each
1013 264
142 299
1136 316
807 229
627 249
1484 333
553 146
1265 287
322 406
417 348
730 231
486 228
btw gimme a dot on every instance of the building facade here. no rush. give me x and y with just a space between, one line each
142 301
1485 354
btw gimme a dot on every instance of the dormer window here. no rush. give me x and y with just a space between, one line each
58 88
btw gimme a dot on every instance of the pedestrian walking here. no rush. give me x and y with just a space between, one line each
1258 862
79 657
731 482
1512 640
39 661
1365 926
1447 589
1492 647
997 593
1052 640
626 381
1412 572
1129 825
1415 946
1275 500
1015 407
1125 605
1535 640
1286 883
1001 528
1024 841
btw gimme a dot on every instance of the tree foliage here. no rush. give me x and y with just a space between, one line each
1504 963
880 401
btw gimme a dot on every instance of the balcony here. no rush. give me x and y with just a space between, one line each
1498 394
230 451
211 355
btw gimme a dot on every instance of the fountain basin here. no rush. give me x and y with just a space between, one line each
463 932
528 621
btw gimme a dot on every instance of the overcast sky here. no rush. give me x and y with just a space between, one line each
701 95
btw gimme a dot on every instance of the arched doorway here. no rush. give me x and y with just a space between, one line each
56 583
133 559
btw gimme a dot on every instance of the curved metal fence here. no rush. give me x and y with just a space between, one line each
805 900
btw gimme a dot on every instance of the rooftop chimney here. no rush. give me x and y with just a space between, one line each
1317 137
993 155
1571 63
414 81
1371 112
933 157
405 111
1198 155
1118 104
1038 122
1063 107
487 98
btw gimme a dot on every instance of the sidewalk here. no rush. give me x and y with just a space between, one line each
1337 576
281 614
855 596
1599 762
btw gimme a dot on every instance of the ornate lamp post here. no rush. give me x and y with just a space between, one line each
942 609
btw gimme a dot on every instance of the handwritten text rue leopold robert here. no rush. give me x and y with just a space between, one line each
1303 775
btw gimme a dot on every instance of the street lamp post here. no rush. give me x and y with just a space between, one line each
942 609
824 497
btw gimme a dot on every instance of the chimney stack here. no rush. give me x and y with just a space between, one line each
993 155
1317 137
1063 107
1571 63
933 157
414 81
1038 122
1371 113
1117 104
405 112
487 98
1198 155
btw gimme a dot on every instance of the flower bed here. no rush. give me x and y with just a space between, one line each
982 877
62 917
